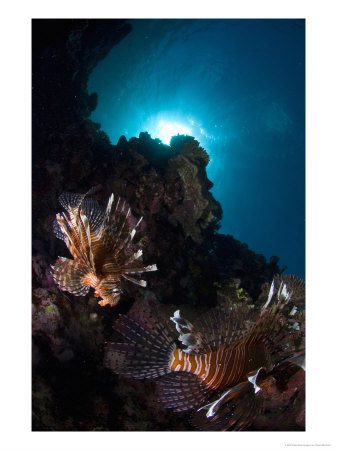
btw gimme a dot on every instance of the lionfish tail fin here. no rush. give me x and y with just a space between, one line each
233 410
144 354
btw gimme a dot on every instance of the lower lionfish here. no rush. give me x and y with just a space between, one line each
219 367
100 243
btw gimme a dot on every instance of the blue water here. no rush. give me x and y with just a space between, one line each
238 86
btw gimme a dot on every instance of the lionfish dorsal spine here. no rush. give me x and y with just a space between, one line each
129 238
106 217
283 295
122 228
270 295
86 225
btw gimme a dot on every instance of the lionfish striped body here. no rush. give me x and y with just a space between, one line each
100 243
220 369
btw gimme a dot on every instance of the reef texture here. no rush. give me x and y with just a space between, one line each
168 186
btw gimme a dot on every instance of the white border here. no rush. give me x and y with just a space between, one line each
15 235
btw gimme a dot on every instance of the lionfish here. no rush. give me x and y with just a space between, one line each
99 242
219 369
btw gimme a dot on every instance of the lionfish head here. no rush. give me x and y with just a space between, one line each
108 292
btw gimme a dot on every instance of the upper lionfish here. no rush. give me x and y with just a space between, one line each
100 245
221 368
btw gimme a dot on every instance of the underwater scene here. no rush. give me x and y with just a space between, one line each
168 225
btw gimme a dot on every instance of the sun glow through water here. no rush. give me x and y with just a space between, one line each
166 130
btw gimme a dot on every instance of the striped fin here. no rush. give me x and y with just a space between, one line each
111 223
274 328
144 355
215 328
70 200
94 213
298 359
233 410
134 280
129 238
137 270
123 226
74 236
57 230
134 332
150 268
106 218
70 236
296 287
87 241
70 275
181 391
133 258
115 229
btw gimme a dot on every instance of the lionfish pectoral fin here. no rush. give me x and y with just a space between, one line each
70 235
134 280
235 409
134 257
145 354
73 276
95 215
252 378
71 201
181 391
212 408
298 359
57 230
151 268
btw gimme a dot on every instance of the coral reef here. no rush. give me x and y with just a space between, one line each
168 186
